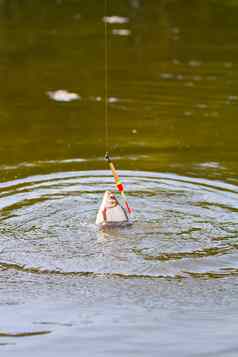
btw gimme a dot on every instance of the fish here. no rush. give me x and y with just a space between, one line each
111 213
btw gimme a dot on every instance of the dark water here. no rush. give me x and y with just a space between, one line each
168 285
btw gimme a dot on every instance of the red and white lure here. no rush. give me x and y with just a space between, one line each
111 212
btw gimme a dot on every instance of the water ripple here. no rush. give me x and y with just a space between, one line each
183 227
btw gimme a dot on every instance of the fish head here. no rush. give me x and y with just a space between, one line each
109 200
111 213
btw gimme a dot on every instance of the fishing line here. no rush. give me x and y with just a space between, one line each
117 179
106 68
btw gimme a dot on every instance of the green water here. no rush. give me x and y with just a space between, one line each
167 285
174 75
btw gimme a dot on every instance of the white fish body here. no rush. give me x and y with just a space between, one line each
111 212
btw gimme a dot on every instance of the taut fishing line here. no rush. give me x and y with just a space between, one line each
106 68
117 179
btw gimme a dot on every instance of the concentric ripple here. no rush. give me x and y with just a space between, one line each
182 226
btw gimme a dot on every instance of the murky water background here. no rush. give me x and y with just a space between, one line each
168 284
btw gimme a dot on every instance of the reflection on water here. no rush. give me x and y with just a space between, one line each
63 96
168 283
